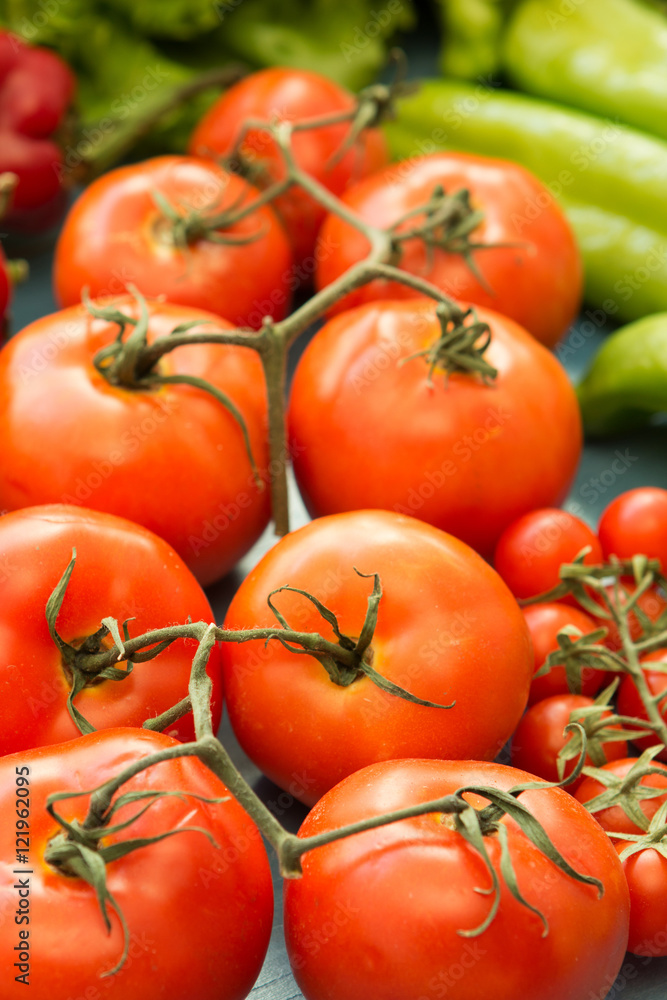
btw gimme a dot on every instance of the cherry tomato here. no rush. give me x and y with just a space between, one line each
532 549
544 622
646 875
536 280
448 630
539 737
630 702
198 912
117 232
636 522
368 429
652 603
122 571
172 458
380 914
292 95
615 819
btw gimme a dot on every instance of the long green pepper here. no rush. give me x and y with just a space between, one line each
611 180
604 56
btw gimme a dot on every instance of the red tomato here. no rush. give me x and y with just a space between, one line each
172 459
615 819
448 630
646 875
636 522
532 549
122 571
539 737
537 281
117 233
292 95
198 915
368 429
651 602
544 622
378 914
630 703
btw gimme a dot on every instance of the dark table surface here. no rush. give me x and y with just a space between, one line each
644 462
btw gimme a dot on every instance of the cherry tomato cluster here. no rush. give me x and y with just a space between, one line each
374 663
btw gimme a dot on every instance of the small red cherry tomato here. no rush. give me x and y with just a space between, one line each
636 523
532 549
544 622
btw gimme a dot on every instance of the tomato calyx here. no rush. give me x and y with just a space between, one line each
129 362
627 792
576 653
78 851
185 228
599 725
352 659
654 838
458 349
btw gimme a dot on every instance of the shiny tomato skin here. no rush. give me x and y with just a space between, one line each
172 459
532 549
646 875
294 95
636 522
537 281
116 234
448 631
544 622
377 915
122 571
614 819
630 702
199 923
539 737
367 429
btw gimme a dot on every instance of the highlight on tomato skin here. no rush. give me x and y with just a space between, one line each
198 905
122 571
168 456
379 914
370 425
448 631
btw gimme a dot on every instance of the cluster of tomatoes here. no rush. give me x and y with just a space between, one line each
427 440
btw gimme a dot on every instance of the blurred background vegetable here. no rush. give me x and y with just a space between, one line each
611 180
626 386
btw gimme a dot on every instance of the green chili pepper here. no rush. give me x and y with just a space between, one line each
626 384
611 180
606 56
472 42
